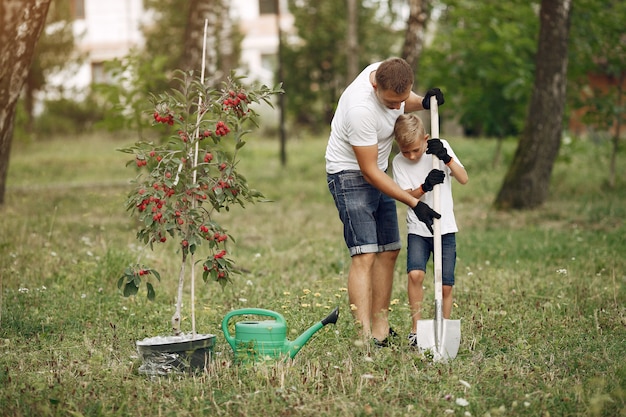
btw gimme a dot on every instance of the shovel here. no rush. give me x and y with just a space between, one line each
441 337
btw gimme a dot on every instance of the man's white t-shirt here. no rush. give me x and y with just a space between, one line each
409 175
360 120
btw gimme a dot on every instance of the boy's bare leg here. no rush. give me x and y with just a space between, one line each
415 290
447 301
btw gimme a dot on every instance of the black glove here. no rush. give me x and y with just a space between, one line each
435 147
426 214
434 177
432 92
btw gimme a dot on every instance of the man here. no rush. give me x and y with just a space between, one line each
357 157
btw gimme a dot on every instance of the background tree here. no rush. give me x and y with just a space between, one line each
487 80
316 55
21 24
54 52
181 22
598 69
527 181
352 49
223 44
419 14
176 22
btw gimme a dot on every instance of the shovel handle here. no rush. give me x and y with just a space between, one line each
434 133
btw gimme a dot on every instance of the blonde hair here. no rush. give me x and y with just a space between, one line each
408 129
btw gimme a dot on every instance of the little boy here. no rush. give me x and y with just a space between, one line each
412 171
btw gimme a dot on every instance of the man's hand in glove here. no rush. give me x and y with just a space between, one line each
434 177
432 92
426 214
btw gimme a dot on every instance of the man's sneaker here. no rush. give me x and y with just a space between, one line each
412 339
381 343
385 342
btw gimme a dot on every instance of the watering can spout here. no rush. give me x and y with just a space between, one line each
296 345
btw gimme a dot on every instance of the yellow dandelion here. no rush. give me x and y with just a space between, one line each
286 293
343 289
305 305
337 295
317 294
352 307
306 291
395 301
318 305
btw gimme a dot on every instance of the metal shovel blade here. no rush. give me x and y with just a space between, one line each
444 347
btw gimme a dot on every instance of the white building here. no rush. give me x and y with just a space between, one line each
110 29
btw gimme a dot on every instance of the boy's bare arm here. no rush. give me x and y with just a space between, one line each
458 172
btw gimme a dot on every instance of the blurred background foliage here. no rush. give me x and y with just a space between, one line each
481 53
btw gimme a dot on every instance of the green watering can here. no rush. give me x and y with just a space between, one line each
258 340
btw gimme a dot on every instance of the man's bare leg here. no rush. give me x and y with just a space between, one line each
382 282
360 290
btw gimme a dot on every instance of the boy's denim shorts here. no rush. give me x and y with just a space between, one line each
420 248
369 217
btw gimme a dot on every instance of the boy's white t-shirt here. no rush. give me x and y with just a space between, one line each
409 175
360 120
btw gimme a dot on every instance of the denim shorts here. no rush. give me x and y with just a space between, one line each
369 217
420 248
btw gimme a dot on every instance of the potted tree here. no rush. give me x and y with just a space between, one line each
182 182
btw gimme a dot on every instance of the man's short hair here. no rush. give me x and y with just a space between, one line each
394 74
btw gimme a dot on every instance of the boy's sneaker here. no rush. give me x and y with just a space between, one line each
412 339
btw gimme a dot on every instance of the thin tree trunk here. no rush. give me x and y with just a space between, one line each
220 54
21 24
527 182
177 317
419 13
618 130
352 42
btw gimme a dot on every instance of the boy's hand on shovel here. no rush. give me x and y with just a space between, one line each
435 176
435 147
426 215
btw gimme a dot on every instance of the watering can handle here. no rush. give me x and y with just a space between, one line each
247 311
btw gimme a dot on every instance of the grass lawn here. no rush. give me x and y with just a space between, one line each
541 295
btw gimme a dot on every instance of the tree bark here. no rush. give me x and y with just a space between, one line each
352 41
419 13
220 52
21 24
527 181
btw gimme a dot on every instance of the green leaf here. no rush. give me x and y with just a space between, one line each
156 274
130 289
151 293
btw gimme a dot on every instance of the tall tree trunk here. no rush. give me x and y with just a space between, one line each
21 23
419 13
220 52
352 41
527 181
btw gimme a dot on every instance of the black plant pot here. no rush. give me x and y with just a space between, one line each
175 354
